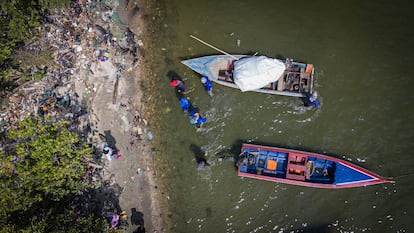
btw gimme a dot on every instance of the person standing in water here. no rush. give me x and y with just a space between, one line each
178 84
207 84
202 161
196 119
312 99
185 103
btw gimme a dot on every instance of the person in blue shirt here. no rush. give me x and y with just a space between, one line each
207 84
185 103
312 100
196 119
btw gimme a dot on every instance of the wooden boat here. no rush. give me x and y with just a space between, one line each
302 168
271 76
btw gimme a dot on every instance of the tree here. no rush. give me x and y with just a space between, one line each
44 161
18 22
58 220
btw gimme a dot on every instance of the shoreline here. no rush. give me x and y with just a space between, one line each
98 77
122 110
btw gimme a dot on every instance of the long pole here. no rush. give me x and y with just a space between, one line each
211 46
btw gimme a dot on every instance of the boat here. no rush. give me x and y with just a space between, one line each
256 73
302 168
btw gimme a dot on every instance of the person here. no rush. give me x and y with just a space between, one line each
180 85
288 62
185 103
202 161
109 152
113 218
312 99
117 154
196 118
207 84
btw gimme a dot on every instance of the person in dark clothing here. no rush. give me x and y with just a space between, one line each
178 84
312 100
202 161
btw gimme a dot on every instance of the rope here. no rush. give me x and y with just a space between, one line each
402 176
118 20
211 46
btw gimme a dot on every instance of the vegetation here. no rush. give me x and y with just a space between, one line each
18 22
41 177
43 162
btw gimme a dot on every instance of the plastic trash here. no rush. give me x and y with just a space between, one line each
140 171
149 135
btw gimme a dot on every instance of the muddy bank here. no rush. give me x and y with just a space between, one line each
135 171
143 195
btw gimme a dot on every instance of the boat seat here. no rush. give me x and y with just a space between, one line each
273 173
243 168
251 150
281 165
282 154
272 154
281 159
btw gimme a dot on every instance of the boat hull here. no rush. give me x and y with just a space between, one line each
303 168
297 80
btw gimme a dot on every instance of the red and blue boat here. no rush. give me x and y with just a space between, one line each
303 168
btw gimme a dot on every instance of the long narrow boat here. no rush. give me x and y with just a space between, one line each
256 73
302 168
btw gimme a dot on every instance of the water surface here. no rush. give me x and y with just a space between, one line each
362 52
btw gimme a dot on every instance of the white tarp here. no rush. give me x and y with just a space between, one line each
251 73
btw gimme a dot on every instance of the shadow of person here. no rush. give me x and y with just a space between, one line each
110 140
197 151
140 229
173 75
137 217
305 101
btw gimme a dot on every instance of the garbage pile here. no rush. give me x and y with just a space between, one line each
79 38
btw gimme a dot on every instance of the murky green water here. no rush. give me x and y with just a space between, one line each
363 55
